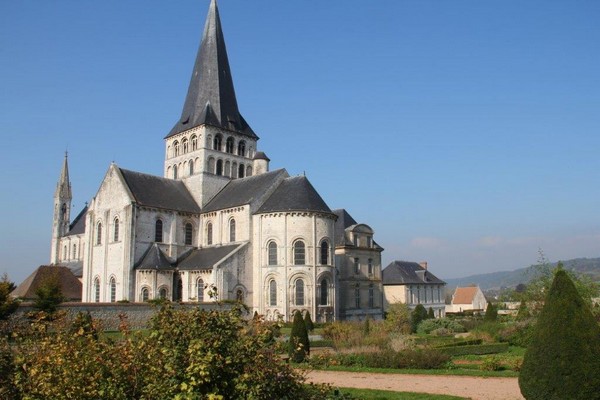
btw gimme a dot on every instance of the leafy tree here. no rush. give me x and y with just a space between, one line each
308 322
299 346
418 314
8 305
398 318
491 313
563 359
430 314
48 295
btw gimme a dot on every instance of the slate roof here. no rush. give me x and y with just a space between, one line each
295 194
78 225
464 295
343 221
206 258
154 258
250 190
157 192
259 155
211 97
407 272
70 285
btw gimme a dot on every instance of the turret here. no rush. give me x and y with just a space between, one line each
261 163
62 211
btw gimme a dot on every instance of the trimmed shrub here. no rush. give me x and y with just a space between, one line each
299 346
463 343
563 359
517 334
491 364
429 325
398 318
418 314
430 314
411 358
309 322
491 313
475 349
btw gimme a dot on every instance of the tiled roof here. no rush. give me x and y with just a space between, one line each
251 190
154 258
70 285
206 258
343 221
77 227
157 192
295 194
464 295
408 272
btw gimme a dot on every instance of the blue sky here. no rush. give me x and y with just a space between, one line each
466 133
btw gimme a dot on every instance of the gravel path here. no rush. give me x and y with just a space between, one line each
464 386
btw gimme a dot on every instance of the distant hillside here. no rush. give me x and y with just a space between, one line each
497 280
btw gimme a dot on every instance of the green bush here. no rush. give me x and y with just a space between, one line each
563 359
475 349
417 315
492 364
430 325
462 343
410 358
310 326
491 313
299 346
518 333
398 318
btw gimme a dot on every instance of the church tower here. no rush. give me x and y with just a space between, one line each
62 211
211 143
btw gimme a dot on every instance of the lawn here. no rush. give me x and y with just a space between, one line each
366 394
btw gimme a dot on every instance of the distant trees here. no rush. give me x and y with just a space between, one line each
563 358
8 305
48 295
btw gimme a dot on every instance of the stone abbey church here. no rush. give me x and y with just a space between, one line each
218 218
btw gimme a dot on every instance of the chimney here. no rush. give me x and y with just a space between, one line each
423 264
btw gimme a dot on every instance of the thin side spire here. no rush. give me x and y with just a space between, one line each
211 97
63 187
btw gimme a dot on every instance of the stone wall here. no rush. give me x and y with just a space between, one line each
138 314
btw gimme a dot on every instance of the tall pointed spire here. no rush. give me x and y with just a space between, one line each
63 187
211 97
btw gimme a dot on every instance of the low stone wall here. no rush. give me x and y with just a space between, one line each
138 314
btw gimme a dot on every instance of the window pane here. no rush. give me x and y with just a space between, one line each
324 292
188 234
299 258
209 234
158 231
299 292
272 253
272 293
200 289
324 253
232 230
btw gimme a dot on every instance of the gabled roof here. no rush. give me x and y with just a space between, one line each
154 258
206 258
154 191
70 285
295 194
77 227
464 295
408 272
343 221
211 97
251 190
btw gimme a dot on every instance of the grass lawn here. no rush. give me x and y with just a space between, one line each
454 371
367 394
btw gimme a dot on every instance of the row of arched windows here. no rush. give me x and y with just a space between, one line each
227 168
116 231
180 170
188 232
73 255
112 285
299 253
299 293
371 298
230 147
184 146
209 232
163 291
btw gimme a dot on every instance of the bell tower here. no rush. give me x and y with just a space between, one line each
62 211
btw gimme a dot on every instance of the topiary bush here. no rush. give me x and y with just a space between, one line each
310 326
563 359
417 315
429 325
299 346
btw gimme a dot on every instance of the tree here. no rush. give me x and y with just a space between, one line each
299 346
418 314
8 305
48 295
398 319
308 322
491 313
563 359
430 314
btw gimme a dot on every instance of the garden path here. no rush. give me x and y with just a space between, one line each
475 388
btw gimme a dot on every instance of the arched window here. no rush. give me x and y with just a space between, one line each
324 292
217 142
145 294
179 290
227 169
229 145
324 253
158 231
241 171
194 143
174 171
370 266
99 233
272 250
191 167
299 253
162 293
113 290
189 230
175 148
75 251
219 169
239 295
357 297
116 230
232 230
97 290
272 293
211 165
234 169
209 234
371 297
184 145
249 171
200 289
242 148
299 292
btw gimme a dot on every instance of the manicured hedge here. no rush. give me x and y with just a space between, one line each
462 343
475 349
